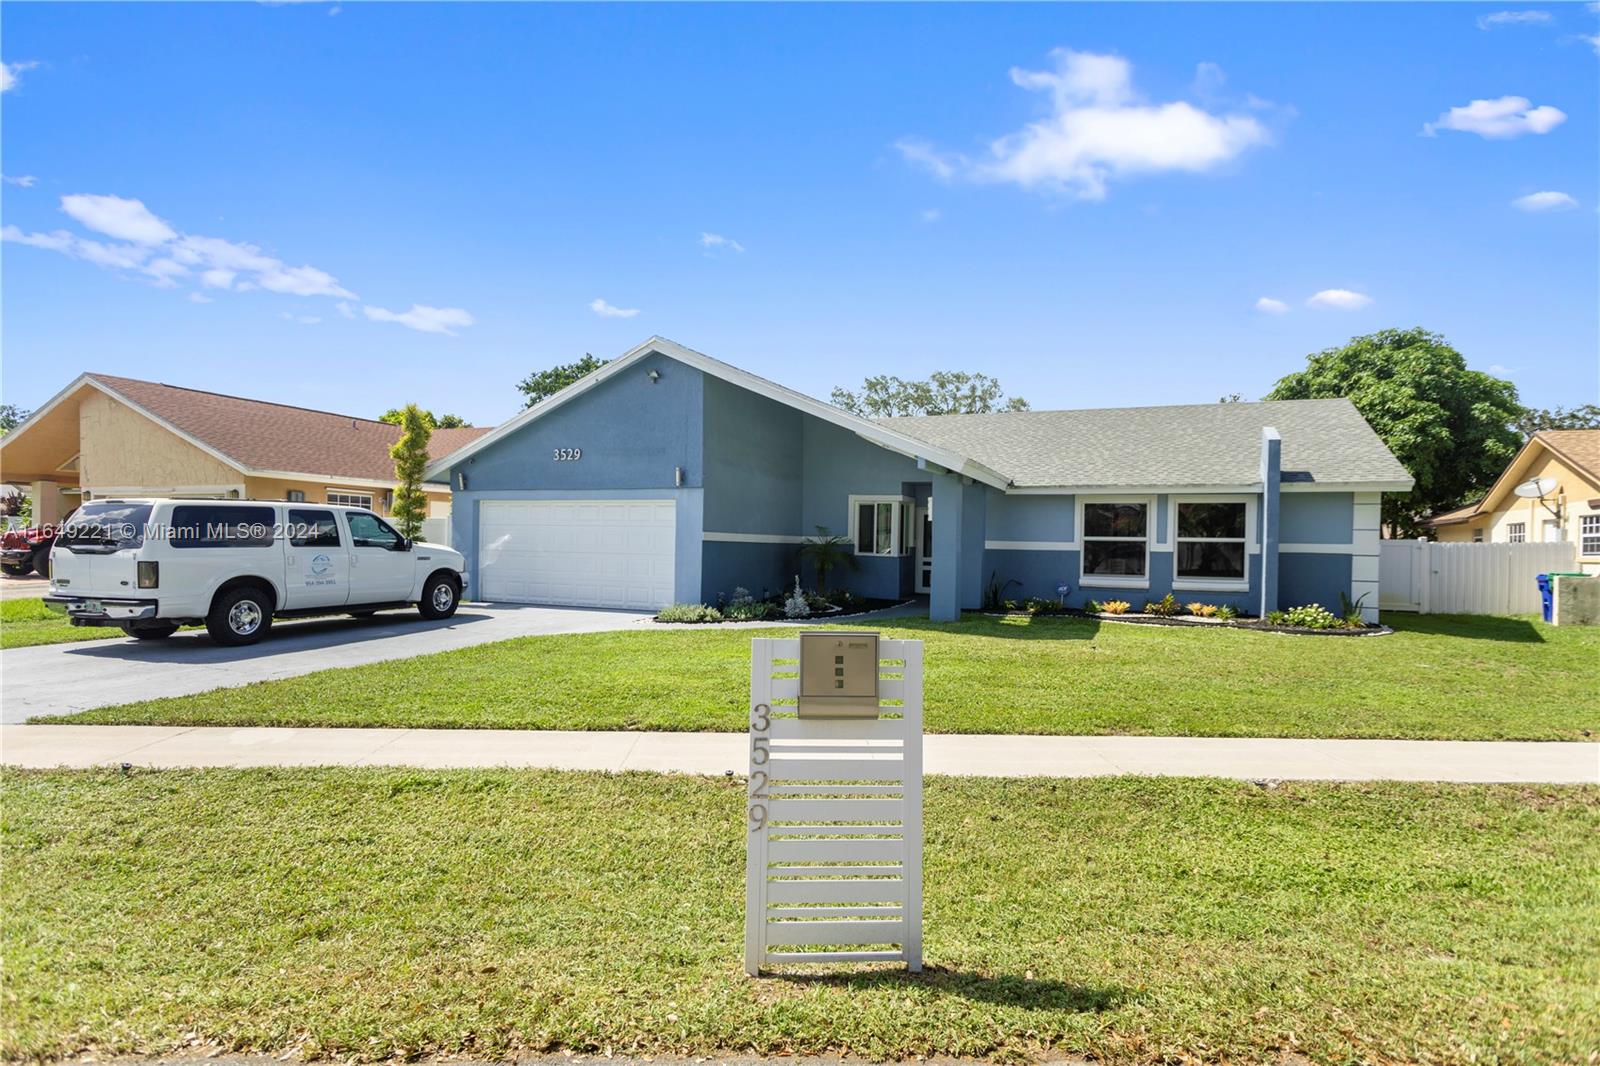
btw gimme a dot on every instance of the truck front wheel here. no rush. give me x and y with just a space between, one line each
440 597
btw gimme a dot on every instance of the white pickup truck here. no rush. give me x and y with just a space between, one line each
150 566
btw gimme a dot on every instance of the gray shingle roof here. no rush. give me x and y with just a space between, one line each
1324 441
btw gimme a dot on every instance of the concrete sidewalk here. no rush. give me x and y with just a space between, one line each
42 746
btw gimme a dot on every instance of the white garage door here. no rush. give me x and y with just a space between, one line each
583 553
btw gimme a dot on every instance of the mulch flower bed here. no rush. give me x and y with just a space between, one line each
1242 622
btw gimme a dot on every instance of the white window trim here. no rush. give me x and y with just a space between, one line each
1583 536
368 496
897 538
1105 581
1252 545
1516 532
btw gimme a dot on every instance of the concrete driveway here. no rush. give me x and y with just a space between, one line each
56 679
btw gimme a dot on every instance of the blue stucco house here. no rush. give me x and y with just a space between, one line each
668 476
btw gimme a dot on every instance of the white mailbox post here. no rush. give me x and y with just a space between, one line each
834 802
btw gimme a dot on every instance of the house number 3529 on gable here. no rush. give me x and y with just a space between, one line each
568 455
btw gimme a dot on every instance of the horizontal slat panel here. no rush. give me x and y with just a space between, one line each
782 789
789 768
841 932
784 958
834 850
837 747
858 870
851 890
877 811
853 911
839 728
889 688
777 831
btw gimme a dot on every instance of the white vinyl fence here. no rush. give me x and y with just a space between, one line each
1420 575
435 531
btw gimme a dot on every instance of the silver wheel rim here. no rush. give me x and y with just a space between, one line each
443 596
244 617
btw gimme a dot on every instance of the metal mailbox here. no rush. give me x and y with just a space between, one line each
838 675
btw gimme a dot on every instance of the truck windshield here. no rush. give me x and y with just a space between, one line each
107 526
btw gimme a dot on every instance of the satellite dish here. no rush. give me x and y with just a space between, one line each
1537 488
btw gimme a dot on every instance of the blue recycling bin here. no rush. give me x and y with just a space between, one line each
1546 596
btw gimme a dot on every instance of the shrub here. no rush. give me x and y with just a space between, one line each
1312 616
1035 605
994 594
1116 607
1202 610
1094 607
1166 607
844 598
1277 618
796 606
1227 612
689 612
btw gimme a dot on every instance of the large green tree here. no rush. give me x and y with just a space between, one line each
396 416
947 392
542 383
410 455
1451 427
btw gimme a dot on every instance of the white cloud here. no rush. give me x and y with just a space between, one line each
126 220
345 309
199 298
423 318
1512 18
717 240
605 310
1509 116
1270 306
113 256
217 278
932 214
9 72
304 320
1099 128
26 181
1544 201
1501 371
1340 299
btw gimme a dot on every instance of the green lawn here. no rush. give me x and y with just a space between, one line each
1439 676
373 914
24 623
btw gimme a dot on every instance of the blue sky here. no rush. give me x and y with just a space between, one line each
1088 202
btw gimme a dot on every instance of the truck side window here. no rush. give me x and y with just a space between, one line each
370 531
214 526
313 529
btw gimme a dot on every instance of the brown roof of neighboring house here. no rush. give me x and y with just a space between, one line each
1579 448
267 436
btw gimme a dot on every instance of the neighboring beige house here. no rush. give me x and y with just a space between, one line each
1569 457
113 436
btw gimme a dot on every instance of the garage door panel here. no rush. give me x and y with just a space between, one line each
599 553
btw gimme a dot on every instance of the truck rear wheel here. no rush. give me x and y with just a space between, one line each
239 616
41 560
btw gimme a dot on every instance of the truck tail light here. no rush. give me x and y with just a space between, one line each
149 575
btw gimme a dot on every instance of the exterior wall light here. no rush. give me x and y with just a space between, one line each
653 374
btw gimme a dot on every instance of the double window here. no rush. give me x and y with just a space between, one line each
349 499
1116 543
1212 542
1589 534
881 525
1517 532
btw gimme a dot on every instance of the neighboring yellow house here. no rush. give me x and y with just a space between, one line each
1570 458
113 436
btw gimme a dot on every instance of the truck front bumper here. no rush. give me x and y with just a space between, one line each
94 611
16 555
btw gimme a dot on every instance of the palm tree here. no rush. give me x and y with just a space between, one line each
825 552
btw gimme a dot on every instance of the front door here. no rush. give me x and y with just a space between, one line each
318 560
381 570
925 548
